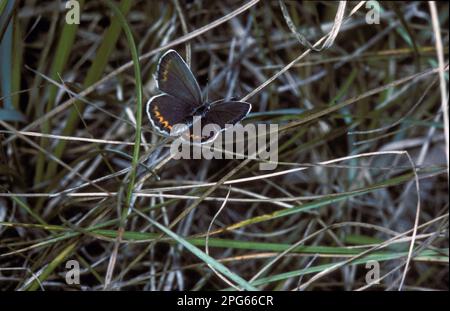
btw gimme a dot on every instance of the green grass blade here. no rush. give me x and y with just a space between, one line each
55 263
63 50
139 105
203 256
95 71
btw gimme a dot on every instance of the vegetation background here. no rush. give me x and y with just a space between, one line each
362 175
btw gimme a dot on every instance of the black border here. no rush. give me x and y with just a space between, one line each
282 300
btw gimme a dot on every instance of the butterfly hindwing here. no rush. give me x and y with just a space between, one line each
165 111
220 114
176 79
224 112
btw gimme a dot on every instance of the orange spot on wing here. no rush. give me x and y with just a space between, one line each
165 72
161 119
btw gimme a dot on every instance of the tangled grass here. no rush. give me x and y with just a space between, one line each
362 171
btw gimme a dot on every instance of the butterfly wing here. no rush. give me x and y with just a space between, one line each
221 113
226 112
175 78
166 111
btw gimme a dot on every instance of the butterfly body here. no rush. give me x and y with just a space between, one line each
202 110
181 101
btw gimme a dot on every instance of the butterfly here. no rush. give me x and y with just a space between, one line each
181 103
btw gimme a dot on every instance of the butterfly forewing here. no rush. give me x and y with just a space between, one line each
175 78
